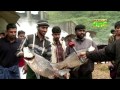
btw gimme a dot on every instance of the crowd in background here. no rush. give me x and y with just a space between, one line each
13 66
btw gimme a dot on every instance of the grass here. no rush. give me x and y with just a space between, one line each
101 71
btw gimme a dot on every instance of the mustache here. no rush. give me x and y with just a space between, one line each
82 34
14 36
56 39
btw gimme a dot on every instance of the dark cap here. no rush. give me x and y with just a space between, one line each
42 23
56 29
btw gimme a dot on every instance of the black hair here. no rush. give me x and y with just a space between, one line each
10 25
21 32
56 29
80 26
112 31
117 24
3 33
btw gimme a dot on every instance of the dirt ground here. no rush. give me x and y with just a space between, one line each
101 71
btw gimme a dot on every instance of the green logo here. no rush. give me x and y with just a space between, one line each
100 22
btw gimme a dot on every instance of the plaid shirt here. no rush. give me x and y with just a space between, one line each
59 52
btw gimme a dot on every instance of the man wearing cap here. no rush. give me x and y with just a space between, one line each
42 42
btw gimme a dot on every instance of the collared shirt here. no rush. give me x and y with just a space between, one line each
8 52
82 44
59 52
79 45
41 47
111 39
55 51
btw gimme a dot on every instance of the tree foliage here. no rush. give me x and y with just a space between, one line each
87 18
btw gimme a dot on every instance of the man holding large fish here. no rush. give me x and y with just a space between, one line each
38 55
40 45
58 47
81 43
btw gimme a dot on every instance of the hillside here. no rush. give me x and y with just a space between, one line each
88 18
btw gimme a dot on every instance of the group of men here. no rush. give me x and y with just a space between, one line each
55 51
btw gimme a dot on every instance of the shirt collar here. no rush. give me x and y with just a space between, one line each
45 38
54 43
78 39
16 40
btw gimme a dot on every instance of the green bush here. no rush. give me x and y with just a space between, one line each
87 18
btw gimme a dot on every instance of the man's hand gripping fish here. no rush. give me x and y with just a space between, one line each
73 60
42 66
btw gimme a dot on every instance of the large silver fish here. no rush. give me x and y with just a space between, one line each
47 69
73 60
41 66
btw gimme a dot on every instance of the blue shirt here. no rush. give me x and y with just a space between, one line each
8 52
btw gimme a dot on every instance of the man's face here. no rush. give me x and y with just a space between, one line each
2 36
21 36
56 36
42 30
117 30
11 33
80 33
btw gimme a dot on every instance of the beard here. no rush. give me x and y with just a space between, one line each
56 39
12 37
42 33
81 36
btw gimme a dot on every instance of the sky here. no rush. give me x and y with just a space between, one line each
33 12
30 29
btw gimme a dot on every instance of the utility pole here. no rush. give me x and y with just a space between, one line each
41 14
28 15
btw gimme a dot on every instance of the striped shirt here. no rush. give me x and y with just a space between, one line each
41 47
